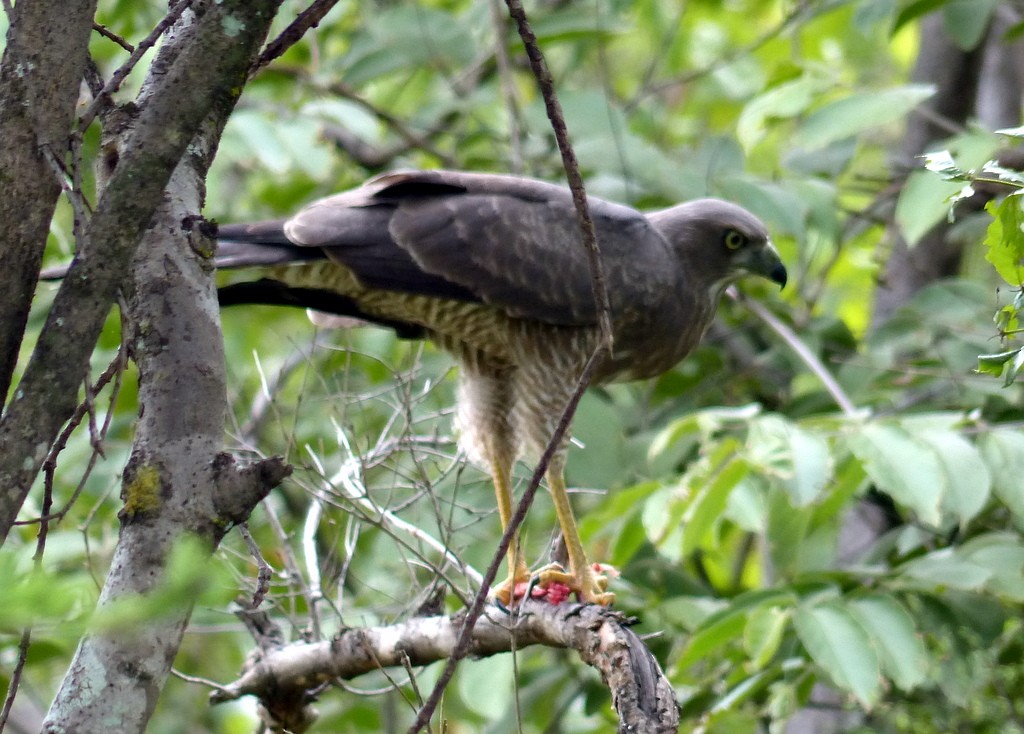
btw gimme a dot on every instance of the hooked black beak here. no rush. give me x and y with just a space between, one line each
778 275
764 261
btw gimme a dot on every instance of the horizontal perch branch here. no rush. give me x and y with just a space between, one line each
285 677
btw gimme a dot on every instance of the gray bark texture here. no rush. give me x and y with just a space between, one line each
176 481
40 75
285 678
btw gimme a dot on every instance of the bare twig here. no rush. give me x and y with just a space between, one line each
347 480
802 351
589 235
114 370
572 169
15 680
264 572
103 98
69 183
308 18
396 125
799 9
109 34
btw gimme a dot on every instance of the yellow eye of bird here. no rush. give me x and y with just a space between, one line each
734 240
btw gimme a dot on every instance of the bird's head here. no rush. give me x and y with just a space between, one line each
720 242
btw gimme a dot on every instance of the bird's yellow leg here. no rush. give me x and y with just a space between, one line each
517 570
582 578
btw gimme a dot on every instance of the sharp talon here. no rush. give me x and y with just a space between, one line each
553 584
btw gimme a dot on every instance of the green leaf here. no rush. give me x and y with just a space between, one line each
800 458
923 203
662 520
1014 368
1003 556
842 648
709 504
728 625
572 23
1012 132
763 634
941 162
903 467
850 479
994 364
968 482
721 630
916 9
787 533
858 112
967 20
1010 176
784 101
900 651
1005 238
1003 451
944 568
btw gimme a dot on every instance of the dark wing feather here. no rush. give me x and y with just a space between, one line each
508 241
352 229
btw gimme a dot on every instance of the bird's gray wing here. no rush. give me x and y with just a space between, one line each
510 241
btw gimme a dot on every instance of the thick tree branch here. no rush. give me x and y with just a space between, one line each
42 66
285 677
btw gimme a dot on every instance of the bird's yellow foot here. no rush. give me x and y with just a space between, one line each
513 588
554 585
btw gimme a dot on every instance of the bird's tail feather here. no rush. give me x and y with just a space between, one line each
258 244
239 246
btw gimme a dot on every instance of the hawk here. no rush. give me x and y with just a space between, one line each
492 269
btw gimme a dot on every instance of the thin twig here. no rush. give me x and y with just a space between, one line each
264 572
802 351
103 98
67 180
396 125
308 18
722 61
291 564
352 488
107 33
15 680
114 371
572 169
589 235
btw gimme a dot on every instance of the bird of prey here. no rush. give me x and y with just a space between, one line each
492 269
